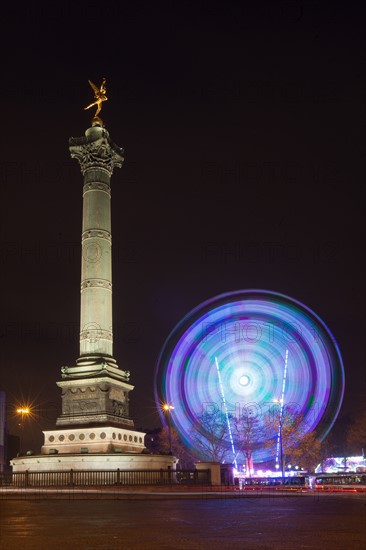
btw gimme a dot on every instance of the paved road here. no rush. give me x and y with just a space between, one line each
336 522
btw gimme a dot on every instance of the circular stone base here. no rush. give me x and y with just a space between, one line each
115 461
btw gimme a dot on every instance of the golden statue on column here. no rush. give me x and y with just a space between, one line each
100 96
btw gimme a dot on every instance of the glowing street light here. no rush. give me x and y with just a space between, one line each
167 408
24 412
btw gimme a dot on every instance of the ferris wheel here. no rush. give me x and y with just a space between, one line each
250 349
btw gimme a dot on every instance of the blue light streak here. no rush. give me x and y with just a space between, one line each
281 409
226 413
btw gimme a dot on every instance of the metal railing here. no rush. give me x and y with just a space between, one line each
106 478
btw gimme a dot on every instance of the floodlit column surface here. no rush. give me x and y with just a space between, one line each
97 156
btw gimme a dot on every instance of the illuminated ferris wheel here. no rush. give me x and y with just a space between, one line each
250 348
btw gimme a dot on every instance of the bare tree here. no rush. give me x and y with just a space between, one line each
179 450
308 452
210 436
299 446
356 433
159 441
248 431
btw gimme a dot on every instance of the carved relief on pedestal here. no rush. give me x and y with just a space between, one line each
85 390
82 400
80 406
85 406
119 402
119 408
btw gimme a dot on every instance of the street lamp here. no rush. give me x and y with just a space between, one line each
167 408
23 411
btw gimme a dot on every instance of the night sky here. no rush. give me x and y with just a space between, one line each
242 128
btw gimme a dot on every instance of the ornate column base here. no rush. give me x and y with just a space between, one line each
92 396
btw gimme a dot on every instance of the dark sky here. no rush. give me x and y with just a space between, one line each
243 130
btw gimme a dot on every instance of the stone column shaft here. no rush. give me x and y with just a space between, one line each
96 269
97 156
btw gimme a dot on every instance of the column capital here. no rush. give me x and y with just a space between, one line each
96 151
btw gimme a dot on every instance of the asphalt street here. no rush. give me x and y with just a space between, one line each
336 522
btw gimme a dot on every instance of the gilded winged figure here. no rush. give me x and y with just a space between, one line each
100 96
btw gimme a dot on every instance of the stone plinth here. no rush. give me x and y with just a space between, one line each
93 440
94 400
